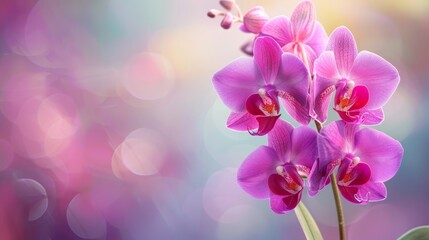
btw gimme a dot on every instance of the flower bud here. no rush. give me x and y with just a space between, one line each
211 13
247 47
227 21
227 4
254 20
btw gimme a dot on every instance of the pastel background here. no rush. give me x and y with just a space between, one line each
110 127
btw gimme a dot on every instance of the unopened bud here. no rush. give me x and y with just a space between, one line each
247 48
227 21
213 13
227 4
254 20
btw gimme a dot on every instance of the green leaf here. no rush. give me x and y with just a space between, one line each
307 222
418 233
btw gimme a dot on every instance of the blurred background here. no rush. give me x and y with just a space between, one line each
110 127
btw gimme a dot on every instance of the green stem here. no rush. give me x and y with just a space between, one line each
340 215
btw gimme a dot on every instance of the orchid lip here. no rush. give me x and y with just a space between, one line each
350 98
343 102
292 186
263 103
356 173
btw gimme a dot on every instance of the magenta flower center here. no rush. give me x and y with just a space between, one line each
350 97
356 173
264 103
283 183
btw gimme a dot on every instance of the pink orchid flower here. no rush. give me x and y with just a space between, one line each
302 35
366 159
251 88
275 171
363 81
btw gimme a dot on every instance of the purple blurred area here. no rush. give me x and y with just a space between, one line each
110 127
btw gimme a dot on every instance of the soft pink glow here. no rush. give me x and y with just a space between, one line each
148 76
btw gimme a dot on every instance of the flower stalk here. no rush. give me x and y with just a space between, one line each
340 215
336 192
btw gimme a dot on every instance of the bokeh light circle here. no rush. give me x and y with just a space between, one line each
57 116
33 196
141 152
148 76
222 193
84 219
242 222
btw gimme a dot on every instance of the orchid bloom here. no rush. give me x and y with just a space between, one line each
363 81
366 159
302 35
275 171
251 88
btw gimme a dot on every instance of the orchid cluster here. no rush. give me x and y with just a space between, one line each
293 67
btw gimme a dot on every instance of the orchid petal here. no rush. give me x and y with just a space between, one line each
253 104
291 171
303 20
352 117
236 82
318 39
369 192
304 146
379 76
289 183
278 185
268 104
381 152
359 97
332 142
326 67
350 193
280 139
293 78
254 172
292 84
301 113
278 28
242 121
266 123
321 102
281 204
372 117
358 175
342 169
345 50
319 177
267 54
326 77
364 117
373 191
303 52
310 56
